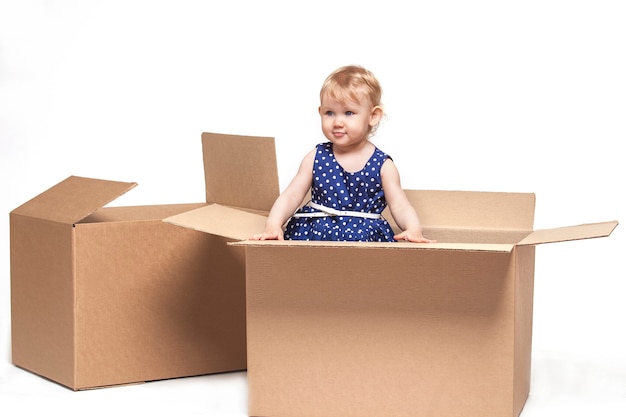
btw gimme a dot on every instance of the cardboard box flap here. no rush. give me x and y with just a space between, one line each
562 234
73 199
240 171
474 209
221 221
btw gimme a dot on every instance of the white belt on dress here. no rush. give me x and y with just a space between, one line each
327 211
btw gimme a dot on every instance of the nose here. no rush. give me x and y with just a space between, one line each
337 120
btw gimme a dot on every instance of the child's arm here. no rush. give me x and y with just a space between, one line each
401 209
287 203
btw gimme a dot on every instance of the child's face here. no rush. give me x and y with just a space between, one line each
348 123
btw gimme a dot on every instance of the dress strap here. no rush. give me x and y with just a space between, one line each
327 211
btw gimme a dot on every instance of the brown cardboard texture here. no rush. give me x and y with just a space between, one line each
105 296
401 329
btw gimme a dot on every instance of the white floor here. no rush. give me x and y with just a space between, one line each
562 385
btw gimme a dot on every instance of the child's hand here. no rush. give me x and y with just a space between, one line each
268 235
411 236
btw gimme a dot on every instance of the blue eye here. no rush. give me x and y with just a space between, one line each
329 113
349 113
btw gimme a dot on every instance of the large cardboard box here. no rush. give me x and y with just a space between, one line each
104 296
399 329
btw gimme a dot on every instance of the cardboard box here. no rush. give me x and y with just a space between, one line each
399 329
104 296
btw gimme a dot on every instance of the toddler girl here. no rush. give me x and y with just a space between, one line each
351 180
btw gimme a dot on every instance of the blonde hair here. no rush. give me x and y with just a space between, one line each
352 83
349 82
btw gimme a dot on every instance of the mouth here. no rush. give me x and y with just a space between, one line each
339 134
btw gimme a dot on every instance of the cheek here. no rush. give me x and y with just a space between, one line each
364 124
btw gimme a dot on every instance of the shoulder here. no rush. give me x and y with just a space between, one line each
308 160
324 147
310 155
323 150
382 154
319 148
389 169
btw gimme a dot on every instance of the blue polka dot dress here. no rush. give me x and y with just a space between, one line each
338 190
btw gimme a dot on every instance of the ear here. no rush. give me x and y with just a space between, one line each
319 110
376 115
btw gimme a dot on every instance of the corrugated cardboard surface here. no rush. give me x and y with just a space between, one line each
220 221
118 301
370 332
72 199
240 171
114 295
523 324
156 301
474 210
563 234
370 329
42 297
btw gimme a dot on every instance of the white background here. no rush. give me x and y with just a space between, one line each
480 95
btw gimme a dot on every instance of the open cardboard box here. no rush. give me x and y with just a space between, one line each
104 296
395 329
